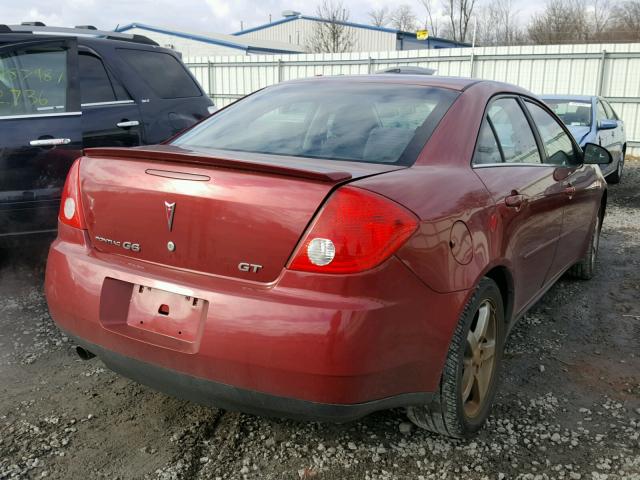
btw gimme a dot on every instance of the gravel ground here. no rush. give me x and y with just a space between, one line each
568 407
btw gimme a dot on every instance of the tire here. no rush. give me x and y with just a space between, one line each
586 267
616 176
448 414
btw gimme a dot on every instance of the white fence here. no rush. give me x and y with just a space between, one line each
610 70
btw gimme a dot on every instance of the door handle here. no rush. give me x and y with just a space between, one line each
49 142
128 123
570 190
514 200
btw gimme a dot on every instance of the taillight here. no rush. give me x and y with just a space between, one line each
356 230
70 204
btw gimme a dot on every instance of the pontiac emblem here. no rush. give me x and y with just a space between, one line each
170 210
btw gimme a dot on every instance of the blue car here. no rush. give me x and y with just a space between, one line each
592 120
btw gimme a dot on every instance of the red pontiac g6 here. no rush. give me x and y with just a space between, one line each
329 247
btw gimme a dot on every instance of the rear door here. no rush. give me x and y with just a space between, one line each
40 129
110 116
526 192
170 98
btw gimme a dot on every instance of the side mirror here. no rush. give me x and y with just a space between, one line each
607 124
596 155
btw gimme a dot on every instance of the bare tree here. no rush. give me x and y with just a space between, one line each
404 19
625 21
459 13
498 24
562 21
332 35
379 16
432 23
600 15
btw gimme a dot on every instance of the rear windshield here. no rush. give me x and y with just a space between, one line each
166 76
364 122
572 112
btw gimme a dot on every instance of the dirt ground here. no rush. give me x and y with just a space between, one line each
568 407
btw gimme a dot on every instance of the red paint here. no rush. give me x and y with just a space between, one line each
332 338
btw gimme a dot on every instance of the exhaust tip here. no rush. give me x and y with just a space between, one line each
84 354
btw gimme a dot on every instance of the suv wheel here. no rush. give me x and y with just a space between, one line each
469 378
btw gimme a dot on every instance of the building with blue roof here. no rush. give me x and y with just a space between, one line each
200 44
297 29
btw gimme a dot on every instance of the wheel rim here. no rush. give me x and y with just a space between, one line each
595 242
479 359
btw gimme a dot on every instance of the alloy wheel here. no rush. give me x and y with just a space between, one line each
479 359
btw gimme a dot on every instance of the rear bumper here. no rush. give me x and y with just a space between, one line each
307 345
229 397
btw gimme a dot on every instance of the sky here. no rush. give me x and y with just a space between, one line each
219 16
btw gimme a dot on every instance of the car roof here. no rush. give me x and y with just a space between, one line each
452 83
578 98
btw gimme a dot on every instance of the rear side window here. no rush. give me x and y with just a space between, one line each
513 131
95 85
487 151
374 123
33 80
557 143
166 76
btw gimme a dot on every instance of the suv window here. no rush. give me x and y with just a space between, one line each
95 85
33 80
165 75
513 131
557 143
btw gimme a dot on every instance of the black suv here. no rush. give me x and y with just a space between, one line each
64 89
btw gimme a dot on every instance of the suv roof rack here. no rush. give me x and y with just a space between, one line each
83 31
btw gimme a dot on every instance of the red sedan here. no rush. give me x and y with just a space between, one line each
329 247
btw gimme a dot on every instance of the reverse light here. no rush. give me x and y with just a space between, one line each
70 205
356 230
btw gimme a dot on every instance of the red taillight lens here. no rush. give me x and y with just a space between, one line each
70 204
356 230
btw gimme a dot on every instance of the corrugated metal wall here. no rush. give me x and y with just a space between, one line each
610 70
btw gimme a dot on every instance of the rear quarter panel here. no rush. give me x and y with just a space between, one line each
442 189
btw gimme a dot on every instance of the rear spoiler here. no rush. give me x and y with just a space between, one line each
253 162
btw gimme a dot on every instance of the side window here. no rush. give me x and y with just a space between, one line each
487 150
167 77
601 114
33 80
611 114
513 131
95 85
557 143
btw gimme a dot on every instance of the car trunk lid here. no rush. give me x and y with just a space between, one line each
218 212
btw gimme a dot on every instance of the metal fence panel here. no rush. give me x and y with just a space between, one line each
610 70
